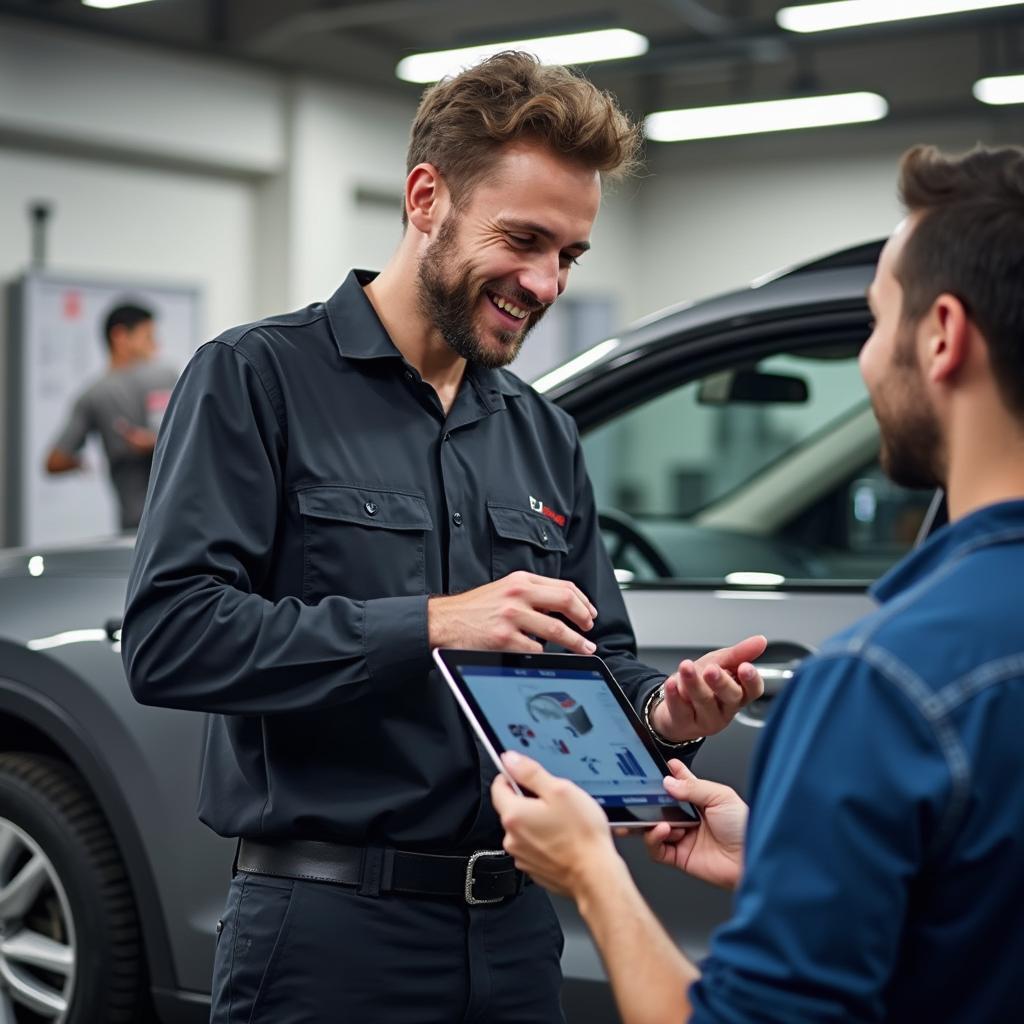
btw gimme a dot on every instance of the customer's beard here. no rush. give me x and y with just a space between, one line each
912 449
450 307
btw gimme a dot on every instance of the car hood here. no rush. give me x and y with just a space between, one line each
106 556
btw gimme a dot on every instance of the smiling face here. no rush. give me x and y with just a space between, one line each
501 258
912 449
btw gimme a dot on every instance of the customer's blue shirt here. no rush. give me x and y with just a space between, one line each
884 872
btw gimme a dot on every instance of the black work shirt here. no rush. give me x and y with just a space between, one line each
308 494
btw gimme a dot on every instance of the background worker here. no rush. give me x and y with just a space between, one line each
124 407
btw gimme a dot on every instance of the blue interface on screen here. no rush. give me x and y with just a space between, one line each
572 724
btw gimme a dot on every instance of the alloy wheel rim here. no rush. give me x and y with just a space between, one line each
37 934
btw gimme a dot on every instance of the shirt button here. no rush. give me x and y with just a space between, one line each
371 508
447 436
409 375
457 518
544 537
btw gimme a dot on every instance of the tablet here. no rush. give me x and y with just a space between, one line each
567 712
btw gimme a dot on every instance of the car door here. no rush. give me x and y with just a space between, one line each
741 493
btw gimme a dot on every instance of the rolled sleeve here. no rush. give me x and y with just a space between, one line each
850 783
396 636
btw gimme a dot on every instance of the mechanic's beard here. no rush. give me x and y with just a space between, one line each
451 306
911 442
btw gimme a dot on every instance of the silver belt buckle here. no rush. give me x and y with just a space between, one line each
470 898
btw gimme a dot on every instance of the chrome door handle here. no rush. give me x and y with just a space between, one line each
775 677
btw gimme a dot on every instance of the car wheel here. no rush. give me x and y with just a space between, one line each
69 935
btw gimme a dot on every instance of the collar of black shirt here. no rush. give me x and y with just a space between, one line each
359 334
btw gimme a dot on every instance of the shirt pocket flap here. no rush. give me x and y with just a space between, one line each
518 524
366 506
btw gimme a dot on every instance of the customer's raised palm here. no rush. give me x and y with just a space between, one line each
712 851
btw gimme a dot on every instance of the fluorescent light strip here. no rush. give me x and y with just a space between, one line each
1000 90
108 5
852 13
768 116
577 48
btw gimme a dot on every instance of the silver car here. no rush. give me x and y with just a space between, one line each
734 459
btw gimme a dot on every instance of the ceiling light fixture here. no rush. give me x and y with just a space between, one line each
999 90
577 48
767 116
852 13
107 5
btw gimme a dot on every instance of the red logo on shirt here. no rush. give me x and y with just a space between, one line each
539 506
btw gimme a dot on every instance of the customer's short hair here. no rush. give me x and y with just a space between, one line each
970 243
463 121
125 315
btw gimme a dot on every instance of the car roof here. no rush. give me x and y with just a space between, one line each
840 278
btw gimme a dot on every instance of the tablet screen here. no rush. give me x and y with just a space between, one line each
572 722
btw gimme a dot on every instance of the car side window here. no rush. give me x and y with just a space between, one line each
759 473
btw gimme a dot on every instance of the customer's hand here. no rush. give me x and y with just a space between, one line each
515 613
713 850
559 836
702 696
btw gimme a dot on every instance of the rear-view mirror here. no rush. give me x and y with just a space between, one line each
751 386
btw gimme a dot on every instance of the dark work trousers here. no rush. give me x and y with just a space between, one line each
295 952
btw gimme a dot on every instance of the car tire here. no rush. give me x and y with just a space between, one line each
84 904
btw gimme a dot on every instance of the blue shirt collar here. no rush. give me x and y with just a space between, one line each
1001 523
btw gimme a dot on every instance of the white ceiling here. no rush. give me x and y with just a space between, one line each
702 51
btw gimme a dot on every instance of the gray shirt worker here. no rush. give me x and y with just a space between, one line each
308 495
136 395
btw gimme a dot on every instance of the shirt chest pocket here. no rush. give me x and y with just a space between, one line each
524 540
363 542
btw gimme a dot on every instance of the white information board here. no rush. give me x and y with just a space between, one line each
56 348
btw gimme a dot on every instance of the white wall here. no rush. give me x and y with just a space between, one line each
121 222
72 88
343 140
713 216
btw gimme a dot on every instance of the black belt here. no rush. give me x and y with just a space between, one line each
487 876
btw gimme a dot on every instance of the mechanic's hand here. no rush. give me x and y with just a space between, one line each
559 836
515 613
139 438
702 696
713 850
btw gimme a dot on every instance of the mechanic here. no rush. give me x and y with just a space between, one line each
884 869
124 407
323 480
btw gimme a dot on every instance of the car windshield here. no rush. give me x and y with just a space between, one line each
766 466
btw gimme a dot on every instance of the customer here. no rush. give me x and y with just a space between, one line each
885 854
323 480
123 407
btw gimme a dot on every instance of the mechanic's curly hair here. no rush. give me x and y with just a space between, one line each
463 121
969 243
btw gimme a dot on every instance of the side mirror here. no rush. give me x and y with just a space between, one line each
751 386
